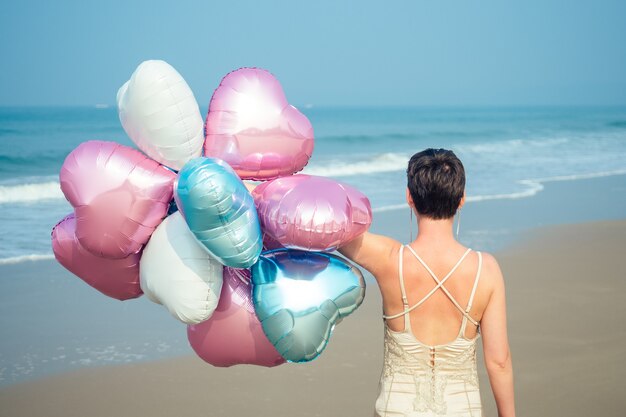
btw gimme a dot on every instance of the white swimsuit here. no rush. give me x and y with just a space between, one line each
422 380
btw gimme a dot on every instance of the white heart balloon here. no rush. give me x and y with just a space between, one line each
175 270
161 115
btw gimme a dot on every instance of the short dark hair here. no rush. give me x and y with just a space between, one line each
436 182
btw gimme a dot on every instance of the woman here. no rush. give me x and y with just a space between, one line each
436 295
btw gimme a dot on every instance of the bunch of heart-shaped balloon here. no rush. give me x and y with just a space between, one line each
184 229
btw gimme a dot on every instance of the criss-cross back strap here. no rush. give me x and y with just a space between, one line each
408 309
480 265
405 301
466 315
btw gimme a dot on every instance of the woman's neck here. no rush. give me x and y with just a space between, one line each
435 232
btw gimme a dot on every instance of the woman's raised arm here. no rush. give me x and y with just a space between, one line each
370 251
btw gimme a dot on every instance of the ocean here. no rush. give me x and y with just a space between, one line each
508 153
52 324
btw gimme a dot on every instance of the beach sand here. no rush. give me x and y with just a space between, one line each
565 289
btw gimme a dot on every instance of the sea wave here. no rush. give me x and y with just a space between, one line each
532 187
26 258
350 138
392 161
412 137
16 161
7 132
583 176
385 162
511 146
390 208
30 192
617 123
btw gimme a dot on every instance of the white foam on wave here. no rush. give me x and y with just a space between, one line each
391 161
26 258
511 145
30 192
590 175
386 162
536 185
533 186
390 208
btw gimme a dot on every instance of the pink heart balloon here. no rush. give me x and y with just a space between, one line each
117 278
251 126
311 213
233 334
120 196
269 243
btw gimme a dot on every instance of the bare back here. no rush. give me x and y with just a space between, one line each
436 320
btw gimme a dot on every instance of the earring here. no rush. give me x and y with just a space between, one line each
458 224
411 223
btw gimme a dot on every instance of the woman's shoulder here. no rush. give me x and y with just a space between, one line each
490 274
489 262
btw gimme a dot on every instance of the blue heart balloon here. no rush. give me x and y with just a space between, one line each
300 296
219 211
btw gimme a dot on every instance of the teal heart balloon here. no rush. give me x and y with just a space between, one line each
300 296
219 211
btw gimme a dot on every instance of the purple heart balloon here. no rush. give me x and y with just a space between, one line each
117 278
252 127
233 334
119 195
311 213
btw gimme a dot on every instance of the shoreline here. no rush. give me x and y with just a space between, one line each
564 284
493 225
540 196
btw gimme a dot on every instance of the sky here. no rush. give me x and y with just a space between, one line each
324 52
